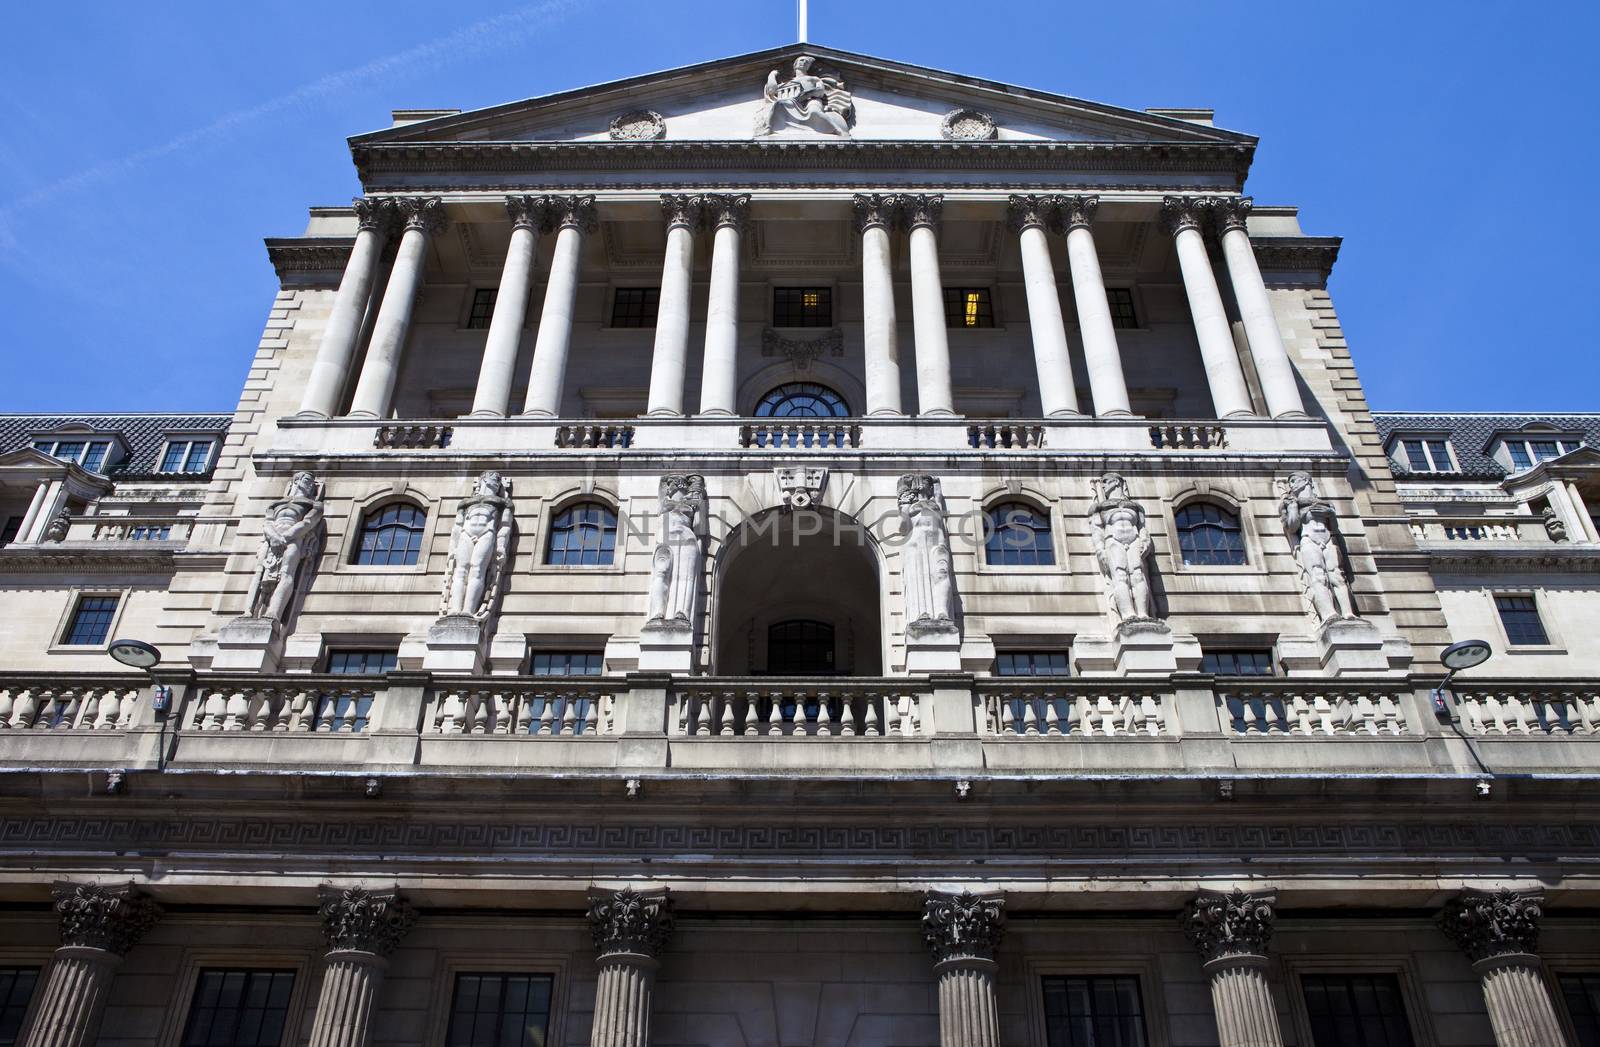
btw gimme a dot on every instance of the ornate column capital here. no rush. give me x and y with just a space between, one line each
528 212
874 209
1229 212
358 920
1077 210
422 212
108 918
374 215
1488 924
681 209
575 212
963 926
1183 212
1225 924
732 209
1031 211
920 209
628 921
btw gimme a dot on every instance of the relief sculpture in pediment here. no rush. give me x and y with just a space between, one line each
806 98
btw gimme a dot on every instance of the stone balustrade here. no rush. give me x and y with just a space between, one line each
1005 436
1479 529
788 434
1188 436
412 435
50 706
322 705
1311 709
595 435
134 528
1038 710
557 709
1529 711
798 710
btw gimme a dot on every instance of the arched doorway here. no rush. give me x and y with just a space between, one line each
797 594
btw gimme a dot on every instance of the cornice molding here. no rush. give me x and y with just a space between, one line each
88 557
295 258
1283 254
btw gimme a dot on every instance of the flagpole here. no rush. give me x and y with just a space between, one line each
802 19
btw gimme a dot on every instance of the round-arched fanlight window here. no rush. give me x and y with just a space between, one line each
802 400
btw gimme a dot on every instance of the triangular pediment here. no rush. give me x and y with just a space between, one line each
876 99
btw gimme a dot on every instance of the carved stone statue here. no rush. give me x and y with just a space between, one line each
806 98
1554 526
289 539
1122 547
1312 526
60 523
927 572
675 565
480 541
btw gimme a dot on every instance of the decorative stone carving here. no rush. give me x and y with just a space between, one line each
421 212
726 209
1076 209
1026 211
638 125
628 921
675 565
376 215
1122 548
1486 924
1554 526
1182 212
967 125
1222 924
1312 526
1229 212
359 920
480 542
530 212
914 209
111 919
802 351
963 926
577 211
926 569
290 541
801 485
806 98
60 523
874 209
683 209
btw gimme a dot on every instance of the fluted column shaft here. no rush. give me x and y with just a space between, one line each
1231 930
331 368
1107 385
879 328
921 214
669 359
547 378
1278 383
348 1000
1242 1000
1499 932
73 998
1051 359
719 369
375 388
493 396
1229 394
968 1015
622 1000
964 930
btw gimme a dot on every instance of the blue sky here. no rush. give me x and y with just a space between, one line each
149 148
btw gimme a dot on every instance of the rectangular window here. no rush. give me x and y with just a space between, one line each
567 663
1519 454
238 1008
1120 299
1427 456
1093 1011
150 533
802 307
1520 616
1247 661
362 662
635 306
1031 663
1360 1010
16 989
1582 995
500 1010
482 307
186 456
91 454
91 621
1439 451
94 456
968 307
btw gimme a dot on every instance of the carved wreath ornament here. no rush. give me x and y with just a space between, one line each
967 125
638 125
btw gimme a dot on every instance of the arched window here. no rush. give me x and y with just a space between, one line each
799 647
391 535
1017 534
1209 535
582 535
802 400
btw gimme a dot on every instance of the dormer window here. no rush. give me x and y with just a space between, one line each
1526 453
91 454
186 456
1427 455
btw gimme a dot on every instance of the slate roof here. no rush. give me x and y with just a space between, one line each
144 435
1472 434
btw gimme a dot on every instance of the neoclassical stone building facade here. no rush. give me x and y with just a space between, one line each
798 550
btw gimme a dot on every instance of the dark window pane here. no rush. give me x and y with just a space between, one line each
1017 534
1237 662
199 454
802 400
1439 451
1031 663
1520 616
1582 995
799 647
91 621
1519 454
567 663
1544 449
582 535
391 536
1120 299
1416 457
635 306
95 456
172 459
482 310
69 450
499 1010
968 307
362 663
12 528
1093 1011
16 989
1362 1010
802 307
1209 535
238 1008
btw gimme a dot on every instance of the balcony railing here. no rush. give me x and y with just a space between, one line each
51 705
555 708
1072 707
1530 711
1479 529
321 705
1286 708
790 435
794 709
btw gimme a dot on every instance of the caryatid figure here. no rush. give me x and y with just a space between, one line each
1122 548
927 571
289 538
1311 525
675 565
480 542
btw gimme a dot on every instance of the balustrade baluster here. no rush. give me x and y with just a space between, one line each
106 708
7 708
569 717
727 727
1030 717
894 718
872 727
547 715
847 716
824 715
775 714
1052 717
752 714
524 715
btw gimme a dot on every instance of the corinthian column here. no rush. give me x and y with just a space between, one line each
670 358
424 216
1229 395
577 219
98 927
629 930
921 215
493 397
362 929
1499 931
1107 386
1255 309
963 930
874 214
719 370
1028 217
331 369
1231 930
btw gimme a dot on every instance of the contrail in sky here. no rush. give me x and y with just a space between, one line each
494 33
